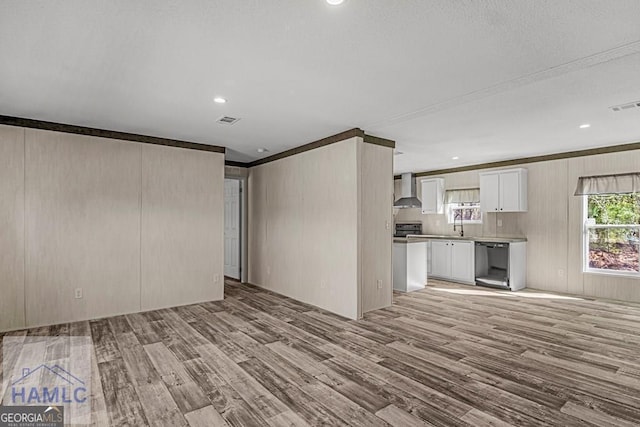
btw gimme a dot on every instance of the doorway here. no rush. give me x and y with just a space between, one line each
232 228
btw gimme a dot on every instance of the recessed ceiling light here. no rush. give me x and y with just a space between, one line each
584 126
219 100
397 153
262 150
335 2
455 158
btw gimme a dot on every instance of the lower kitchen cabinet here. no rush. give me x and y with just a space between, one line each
440 258
453 260
409 268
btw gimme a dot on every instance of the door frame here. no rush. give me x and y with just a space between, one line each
243 226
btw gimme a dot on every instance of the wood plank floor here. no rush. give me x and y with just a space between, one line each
446 356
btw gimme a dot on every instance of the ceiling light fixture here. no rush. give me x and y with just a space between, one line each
262 150
219 100
455 158
585 126
335 2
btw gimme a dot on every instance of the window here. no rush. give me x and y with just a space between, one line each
463 205
468 212
612 230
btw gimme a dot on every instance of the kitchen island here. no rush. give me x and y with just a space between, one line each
409 266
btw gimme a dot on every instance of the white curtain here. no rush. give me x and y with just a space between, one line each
608 184
464 195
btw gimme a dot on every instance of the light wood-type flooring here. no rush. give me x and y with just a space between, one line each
449 355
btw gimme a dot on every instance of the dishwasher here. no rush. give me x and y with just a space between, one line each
501 265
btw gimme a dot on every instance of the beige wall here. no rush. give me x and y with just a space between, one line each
82 227
552 225
182 226
89 204
11 228
376 218
305 225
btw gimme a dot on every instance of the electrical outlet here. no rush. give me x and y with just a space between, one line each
387 225
78 293
499 223
560 272
379 284
216 278
323 284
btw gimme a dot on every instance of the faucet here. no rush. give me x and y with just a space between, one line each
455 216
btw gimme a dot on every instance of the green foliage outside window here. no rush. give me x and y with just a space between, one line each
615 208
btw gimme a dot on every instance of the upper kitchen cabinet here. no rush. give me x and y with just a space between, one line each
433 196
504 191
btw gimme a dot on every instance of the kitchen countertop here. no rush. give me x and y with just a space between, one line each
406 240
420 237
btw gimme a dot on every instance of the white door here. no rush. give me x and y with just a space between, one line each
232 228
440 258
462 265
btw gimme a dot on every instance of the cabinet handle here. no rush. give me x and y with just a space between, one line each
500 208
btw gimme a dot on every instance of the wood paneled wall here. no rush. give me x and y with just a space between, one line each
134 226
182 226
11 228
306 228
553 224
303 225
546 226
82 227
375 231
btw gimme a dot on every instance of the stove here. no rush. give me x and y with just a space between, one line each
404 229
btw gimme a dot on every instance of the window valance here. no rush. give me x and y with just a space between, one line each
608 184
464 195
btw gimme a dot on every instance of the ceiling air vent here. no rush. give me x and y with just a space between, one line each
627 106
226 120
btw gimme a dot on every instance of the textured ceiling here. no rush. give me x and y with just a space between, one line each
481 80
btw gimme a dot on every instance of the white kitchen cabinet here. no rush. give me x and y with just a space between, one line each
462 261
489 192
433 196
504 191
440 258
428 257
453 260
409 268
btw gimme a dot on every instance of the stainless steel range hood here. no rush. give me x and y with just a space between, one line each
408 197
